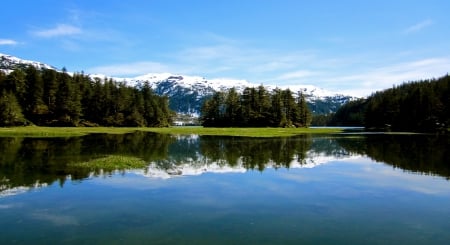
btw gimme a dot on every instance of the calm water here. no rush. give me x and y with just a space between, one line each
341 189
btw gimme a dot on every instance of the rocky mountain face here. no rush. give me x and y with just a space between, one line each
187 93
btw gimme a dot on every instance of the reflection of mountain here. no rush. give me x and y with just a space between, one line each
189 168
35 162
195 155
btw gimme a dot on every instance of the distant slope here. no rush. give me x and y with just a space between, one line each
9 63
187 93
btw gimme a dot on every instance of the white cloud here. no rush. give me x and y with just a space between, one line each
8 42
296 75
130 69
417 27
363 83
59 30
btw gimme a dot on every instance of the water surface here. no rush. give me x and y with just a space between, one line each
335 189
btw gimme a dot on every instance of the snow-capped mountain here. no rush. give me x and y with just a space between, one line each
9 63
187 93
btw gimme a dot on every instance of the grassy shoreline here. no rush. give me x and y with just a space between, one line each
34 131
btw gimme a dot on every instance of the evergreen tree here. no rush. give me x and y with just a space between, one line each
10 110
290 109
232 108
50 80
255 108
263 98
68 101
15 83
304 114
278 117
213 110
2 80
34 106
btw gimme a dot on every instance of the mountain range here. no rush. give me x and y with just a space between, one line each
187 93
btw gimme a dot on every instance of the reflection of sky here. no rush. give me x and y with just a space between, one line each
355 173
55 219
364 172
337 199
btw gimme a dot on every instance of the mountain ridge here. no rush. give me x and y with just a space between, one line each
186 93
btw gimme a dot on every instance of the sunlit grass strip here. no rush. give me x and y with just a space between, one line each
111 163
247 132
33 131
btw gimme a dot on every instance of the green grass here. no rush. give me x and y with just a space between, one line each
248 132
111 163
33 131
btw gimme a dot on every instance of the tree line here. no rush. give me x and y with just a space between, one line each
422 106
50 98
256 107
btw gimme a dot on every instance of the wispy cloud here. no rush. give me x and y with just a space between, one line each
8 42
130 69
417 27
363 83
296 75
58 30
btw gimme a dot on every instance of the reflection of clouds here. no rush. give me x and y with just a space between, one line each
366 172
6 191
58 220
13 191
6 206
203 165
385 176
191 169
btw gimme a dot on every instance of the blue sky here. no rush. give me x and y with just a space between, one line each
353 47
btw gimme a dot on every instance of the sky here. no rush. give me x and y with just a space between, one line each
352 47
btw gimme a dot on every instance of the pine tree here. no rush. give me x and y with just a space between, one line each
15 83
68 101
232 108
263 98
50 79
304 114
277 118
10 110
35 108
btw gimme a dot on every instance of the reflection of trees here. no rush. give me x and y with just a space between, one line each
233 152
32 161
256 153
37 161
428 154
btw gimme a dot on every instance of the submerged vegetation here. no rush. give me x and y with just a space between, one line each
110 163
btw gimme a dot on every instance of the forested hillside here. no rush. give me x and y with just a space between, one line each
422 106
51 98
256 107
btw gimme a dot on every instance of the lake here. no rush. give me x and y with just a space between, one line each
322 189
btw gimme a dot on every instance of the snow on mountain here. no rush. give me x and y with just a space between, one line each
188 81
9 62
186 93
